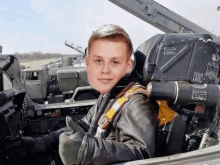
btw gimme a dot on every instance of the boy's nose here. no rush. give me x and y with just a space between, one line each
106 69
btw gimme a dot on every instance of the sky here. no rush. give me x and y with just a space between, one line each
44 25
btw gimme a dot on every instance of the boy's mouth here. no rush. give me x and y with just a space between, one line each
105 80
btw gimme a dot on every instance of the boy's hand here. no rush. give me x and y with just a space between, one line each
70 142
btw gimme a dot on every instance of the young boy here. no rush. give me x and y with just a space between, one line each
104 136
131 134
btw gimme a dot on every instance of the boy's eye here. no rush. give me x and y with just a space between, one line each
98 60
115 62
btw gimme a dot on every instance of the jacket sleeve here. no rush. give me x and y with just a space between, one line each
135 132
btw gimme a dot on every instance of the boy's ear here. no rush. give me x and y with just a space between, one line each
87 61
129 66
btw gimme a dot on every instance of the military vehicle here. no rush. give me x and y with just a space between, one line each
182 70
75 60
53 85
56 81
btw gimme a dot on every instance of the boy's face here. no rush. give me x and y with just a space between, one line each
107 63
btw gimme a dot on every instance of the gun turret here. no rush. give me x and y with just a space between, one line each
75 47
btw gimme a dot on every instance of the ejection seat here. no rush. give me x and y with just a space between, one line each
170 132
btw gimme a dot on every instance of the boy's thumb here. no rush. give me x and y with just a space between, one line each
71 125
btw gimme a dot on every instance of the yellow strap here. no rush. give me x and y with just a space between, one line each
121 101
166 115
110 114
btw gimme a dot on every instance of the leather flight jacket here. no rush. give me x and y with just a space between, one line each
131 135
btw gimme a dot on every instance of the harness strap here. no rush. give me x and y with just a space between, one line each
105 119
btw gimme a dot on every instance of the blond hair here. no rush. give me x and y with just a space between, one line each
113 33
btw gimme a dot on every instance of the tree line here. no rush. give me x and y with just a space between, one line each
31 56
